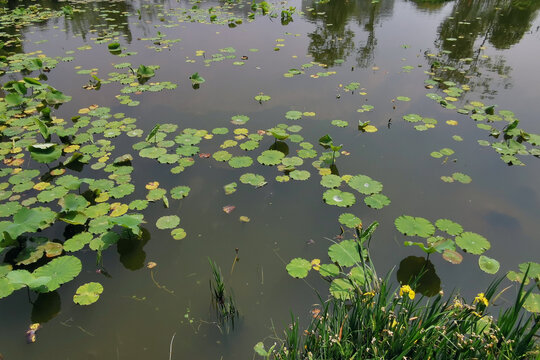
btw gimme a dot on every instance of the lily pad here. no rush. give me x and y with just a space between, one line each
472 243
532 303
180 192
240 162
489 265
339 198
414 226
349 220
341 289
293 115
345 253
299 174
252 179
88 293
167 222
60 270
222 155
270 157
331 181
462 178
448 226
377 201
298 268
239 119
365 185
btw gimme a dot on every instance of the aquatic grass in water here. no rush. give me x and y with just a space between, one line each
223 302
368 319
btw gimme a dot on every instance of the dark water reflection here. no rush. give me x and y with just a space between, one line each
141 310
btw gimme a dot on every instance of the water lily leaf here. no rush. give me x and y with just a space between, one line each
152 152
131 222
167 222
339 123
299 174
73 202
230 188
78 241
338 198
240 162
341 289
180 192
293 115
60 270
156 194
145 71
252 179
331 181
222 155
448 226
249 145
178 234
377 201
56 97
6 288
532 303
345 253
270 157
262 97
239 119
403 98
462 178
14 99
365 185
298 268
412 118
349 220
104 241
329 270
88 293
292 161
45 153
534 269
412 226
489 265
472 243
452 256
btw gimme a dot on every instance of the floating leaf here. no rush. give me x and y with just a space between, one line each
532 303
365 185
45 153
270 157
377 201
60 270
167 222
412 226
252 179
452 256
88 293
472 243
339 198
448 226
350 220
489 265
240 162
299 174
239 119
331 181
462 178
298 268
293 115
345 253
341 289
329 270
180 192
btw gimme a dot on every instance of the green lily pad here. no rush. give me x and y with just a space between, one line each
252 179
239 119
345 253
240 162
339 123
270 157
414 226
249 145
45 153
349 220
78 241
230 188
60 270
341 289
73 202
329 270
489 265
462 178
448 226
180 192
412 118
403 98
298 268
472 243
88 293
331 181
178 234
452 256
292 161
293 115
377 201
339 198
167 222
299 174
152 152
532 303
222 155
156 194
365 185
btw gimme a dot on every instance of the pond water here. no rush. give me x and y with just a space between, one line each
350 61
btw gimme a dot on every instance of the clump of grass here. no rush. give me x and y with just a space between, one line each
223 302
377 321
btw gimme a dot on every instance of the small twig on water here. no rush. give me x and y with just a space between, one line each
170 346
